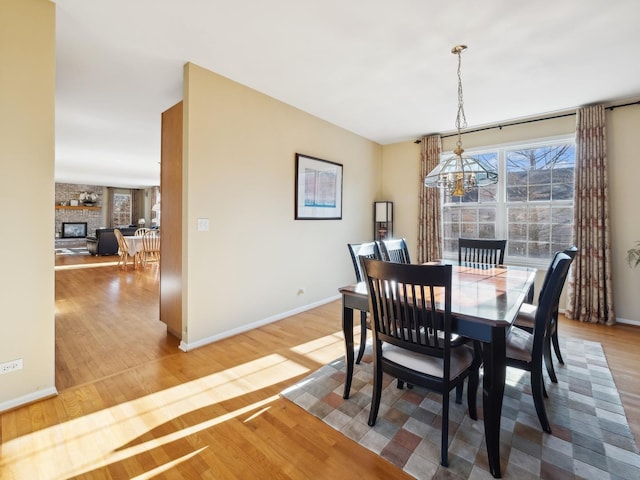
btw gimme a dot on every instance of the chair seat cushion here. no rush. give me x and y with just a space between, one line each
519 344
461 359
526 316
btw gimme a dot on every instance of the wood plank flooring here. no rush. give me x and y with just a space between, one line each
132 405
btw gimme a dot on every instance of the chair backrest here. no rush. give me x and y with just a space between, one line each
410 306
395 250
122 245
571 253
475 250
360 250
140 231
549 300
151 241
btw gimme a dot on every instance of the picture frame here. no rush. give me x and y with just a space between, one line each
318 189
73 203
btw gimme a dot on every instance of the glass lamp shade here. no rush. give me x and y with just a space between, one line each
459 174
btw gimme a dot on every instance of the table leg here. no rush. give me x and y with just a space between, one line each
347 330
495 370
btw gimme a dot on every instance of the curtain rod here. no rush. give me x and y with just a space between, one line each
612 107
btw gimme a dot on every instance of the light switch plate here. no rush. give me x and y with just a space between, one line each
203 224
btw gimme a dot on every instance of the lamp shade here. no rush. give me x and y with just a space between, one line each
384 211
458 174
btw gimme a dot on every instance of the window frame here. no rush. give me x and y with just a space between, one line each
501 204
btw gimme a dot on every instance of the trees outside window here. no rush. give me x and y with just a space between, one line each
531 205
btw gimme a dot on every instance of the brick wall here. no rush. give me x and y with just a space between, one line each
65 192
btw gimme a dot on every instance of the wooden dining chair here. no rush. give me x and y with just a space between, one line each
150 247
476 250
525 350
123 251
357 252
395 250
411 322
527 313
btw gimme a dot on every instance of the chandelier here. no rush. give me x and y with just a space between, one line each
459 174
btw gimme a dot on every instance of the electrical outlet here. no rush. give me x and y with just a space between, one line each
11 366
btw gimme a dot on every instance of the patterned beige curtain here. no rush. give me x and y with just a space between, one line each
429 234
590 295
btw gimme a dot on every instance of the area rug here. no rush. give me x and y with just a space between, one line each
72 251
590 437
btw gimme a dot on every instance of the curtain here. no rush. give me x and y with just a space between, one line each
429 232
589 291
107 205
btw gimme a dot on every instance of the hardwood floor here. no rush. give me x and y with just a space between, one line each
132 405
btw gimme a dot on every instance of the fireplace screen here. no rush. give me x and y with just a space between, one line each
74 229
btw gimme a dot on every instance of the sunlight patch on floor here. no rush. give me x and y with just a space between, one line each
99 439
322 350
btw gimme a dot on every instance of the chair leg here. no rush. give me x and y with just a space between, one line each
472 393
548 361
537 388
556 345
554 336
377 393
363 336
459 389
444 447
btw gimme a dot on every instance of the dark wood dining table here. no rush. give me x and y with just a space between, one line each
485 302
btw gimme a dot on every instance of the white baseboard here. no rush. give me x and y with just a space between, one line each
30 398
185 347
628 322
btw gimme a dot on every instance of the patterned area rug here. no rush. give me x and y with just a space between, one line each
72 251
591 438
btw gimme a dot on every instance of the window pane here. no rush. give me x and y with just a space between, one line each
536 215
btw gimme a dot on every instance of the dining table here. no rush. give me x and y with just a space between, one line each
485 300
135 247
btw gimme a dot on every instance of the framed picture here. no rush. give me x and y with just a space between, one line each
73 203
318 189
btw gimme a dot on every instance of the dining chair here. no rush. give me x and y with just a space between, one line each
123 251
395 250
527 313
141 231
357 252
411 323
476 250
525 349
150 247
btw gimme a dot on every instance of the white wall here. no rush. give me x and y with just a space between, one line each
239 169
27 93
400 164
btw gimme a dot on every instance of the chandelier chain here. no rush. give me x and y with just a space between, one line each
461 119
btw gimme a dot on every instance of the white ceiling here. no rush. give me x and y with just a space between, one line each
381 69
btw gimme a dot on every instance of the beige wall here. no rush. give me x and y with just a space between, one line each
27 91
239 169
623 127
401 161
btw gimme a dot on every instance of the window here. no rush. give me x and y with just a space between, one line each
531 205
122 209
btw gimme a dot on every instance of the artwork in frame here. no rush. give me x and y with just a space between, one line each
318 189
